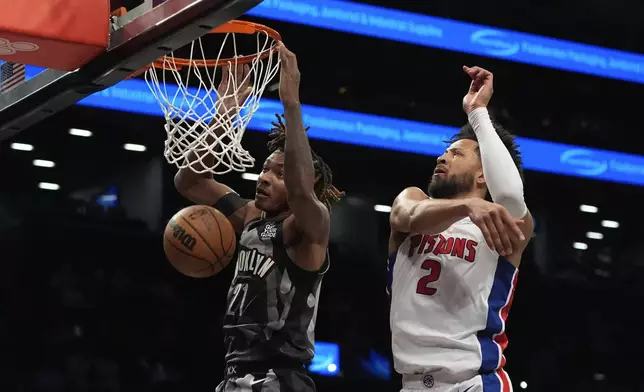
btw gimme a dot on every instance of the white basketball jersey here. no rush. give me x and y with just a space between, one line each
450 298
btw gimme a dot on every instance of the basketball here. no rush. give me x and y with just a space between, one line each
199 241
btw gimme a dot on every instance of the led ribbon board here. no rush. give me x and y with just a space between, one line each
456 36
396 134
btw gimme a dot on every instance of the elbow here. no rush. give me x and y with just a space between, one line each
180 181
184 181
414 217
514 203
403 220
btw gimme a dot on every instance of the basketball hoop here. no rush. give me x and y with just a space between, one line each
198 124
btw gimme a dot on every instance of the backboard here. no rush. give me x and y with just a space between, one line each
137 38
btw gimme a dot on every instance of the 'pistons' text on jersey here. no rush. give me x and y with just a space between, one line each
450 298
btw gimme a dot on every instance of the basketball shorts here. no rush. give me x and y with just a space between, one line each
498 381
275 380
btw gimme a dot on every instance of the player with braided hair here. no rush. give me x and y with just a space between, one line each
282 248
324 189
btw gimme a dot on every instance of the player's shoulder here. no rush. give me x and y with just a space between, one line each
409 195
412 193
414 190
251 214
400 207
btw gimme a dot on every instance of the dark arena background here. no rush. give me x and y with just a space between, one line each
89 302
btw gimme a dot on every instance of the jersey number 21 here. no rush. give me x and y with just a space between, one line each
239 298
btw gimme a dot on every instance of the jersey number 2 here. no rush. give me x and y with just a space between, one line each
434 268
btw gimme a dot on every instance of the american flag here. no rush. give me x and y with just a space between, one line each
12 75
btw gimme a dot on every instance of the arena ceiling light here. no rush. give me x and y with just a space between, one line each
80 132
588 208
43 163
610 224
134 147
22 146
594 235
382 208
250 176
50 186
580 245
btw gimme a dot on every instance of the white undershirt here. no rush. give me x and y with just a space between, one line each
501 174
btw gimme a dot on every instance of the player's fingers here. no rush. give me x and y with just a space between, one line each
224 73
280 48
285 54
239 70
516 237
486 233
474 72
245 80
485 78
513 225
489 77
482 72
494 234
503 234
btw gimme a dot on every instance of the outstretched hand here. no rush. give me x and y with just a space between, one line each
289 76
234 87
481 88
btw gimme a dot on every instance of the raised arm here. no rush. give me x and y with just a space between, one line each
203 188
311 216
501 174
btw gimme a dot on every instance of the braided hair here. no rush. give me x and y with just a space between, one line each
324 189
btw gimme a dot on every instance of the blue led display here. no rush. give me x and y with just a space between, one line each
396 134
456 36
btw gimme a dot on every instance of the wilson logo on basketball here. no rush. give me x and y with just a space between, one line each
180 234
8 48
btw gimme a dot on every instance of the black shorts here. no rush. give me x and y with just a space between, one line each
275 380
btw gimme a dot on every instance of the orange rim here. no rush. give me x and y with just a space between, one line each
233 26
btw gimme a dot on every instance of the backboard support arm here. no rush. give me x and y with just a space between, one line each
164 28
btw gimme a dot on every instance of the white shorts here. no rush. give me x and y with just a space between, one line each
498 381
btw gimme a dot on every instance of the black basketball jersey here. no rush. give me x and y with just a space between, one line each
272 303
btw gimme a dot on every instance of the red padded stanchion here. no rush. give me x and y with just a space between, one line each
59 34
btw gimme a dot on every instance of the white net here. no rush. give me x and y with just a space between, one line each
206 110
